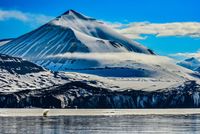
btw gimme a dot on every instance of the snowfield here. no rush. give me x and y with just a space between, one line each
132 70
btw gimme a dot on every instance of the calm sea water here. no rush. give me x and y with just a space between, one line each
101 124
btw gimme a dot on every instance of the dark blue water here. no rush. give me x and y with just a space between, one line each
101 124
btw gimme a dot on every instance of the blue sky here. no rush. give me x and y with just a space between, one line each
182 15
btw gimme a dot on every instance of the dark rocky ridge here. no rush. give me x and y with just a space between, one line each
78 94
18 65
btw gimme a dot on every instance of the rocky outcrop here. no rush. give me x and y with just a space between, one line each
78 94
17 65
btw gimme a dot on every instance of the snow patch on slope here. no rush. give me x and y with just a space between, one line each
4 41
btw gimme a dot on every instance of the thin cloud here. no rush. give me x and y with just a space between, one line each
24 16
114 57
186 55
138 29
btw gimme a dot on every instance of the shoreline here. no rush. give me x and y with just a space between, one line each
13 112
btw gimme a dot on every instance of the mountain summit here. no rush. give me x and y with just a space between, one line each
76 14
89 30
71 11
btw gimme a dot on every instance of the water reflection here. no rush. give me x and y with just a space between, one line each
100 124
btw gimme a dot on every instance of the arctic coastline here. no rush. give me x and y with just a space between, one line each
25 112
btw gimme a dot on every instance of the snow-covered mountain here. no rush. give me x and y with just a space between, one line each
69 33
191 63
17 74
103 70
74 42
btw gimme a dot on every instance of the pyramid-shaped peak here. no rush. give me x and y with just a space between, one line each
70 12
76 14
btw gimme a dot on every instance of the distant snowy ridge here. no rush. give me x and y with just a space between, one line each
191 63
